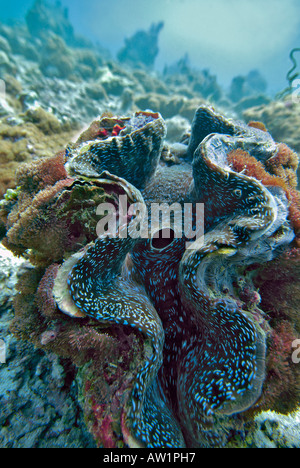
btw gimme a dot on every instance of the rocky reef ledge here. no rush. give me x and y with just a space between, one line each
38 390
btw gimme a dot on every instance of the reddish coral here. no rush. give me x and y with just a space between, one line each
284 165
31 225
107 392
52 214
105 430
106 126
38 175
107 356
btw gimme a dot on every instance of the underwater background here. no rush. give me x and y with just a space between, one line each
177 101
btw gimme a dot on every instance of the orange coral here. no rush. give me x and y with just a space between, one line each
258 125
284 164
242 161
38 175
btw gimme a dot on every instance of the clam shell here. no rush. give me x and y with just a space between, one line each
61 291
133 154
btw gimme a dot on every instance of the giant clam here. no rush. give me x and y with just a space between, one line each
203 361
129 147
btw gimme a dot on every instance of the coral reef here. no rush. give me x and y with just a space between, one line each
44 18
178 342
142 48
36 134
58 59
202 82
78 80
